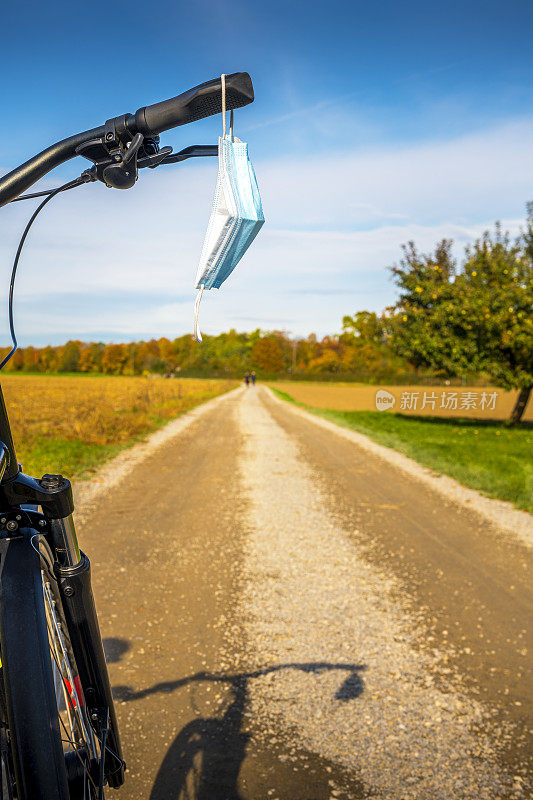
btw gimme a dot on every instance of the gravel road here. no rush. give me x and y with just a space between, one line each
288 616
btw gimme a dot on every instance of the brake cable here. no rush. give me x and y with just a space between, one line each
50 194
46 192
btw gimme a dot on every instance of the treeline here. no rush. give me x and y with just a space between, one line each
349 355
452 320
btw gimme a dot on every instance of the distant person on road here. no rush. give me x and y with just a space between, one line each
253 377
247 378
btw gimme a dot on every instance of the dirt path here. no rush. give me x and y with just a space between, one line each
287 617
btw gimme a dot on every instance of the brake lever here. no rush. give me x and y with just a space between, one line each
115 161
194 151
164 155
118 167
154 159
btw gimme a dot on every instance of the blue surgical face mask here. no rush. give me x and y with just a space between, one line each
236 216
251 216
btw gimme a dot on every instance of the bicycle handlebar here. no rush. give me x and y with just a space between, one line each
197 103
202 101
21 178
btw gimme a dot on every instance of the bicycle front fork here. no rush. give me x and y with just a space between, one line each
20 496
82 621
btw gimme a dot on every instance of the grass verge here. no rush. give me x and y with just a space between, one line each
488 456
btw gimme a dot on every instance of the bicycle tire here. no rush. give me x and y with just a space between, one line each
35 730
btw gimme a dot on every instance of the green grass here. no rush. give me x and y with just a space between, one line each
72 458
491 457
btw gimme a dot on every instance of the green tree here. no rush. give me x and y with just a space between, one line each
496 294
473 320
422 329
70 357
365 325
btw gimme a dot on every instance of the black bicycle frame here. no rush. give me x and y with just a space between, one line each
11 466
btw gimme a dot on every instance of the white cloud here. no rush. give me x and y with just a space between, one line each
333 226
473 178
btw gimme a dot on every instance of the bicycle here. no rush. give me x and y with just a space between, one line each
59 738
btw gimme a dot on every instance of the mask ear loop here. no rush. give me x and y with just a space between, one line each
223 84
197 333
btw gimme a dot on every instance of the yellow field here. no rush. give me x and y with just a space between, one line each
483 402
82 420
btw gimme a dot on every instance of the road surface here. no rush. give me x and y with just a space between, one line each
288 616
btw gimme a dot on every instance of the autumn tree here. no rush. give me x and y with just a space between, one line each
16 362
30 356
167 354
48 359
147 357
114 358
327 357
306 350
267 354
91 358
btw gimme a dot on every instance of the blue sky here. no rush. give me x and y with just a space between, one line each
373 124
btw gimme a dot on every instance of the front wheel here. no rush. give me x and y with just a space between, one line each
48 747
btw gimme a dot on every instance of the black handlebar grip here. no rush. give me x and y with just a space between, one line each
201 101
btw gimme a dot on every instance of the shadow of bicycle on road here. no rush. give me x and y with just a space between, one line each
205 759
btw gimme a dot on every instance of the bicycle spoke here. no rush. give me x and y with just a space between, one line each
87 734
80 758
80 739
